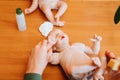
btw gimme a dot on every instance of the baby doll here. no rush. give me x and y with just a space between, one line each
47 6
74 58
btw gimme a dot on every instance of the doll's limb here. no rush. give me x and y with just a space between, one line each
62 8
96 45
98 75
77 70
54 58
84 69
48 13
32 8
96 61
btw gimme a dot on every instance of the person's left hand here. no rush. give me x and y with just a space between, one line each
38 59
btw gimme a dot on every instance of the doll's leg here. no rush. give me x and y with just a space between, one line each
80 71
96 45
48 13
62 6
32 8
83 69
96 61
98 75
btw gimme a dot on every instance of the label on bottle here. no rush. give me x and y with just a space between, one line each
21 22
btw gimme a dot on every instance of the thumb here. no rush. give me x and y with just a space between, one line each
49 53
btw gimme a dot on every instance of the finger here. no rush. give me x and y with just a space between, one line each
49 45
39 44
50 52
44 44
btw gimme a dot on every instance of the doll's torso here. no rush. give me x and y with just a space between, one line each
74 56
50 3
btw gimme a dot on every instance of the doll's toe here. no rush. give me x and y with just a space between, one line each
60 23
98 38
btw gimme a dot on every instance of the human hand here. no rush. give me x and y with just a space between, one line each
38 59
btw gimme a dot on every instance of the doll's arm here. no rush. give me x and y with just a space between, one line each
96 45
54 58
32 8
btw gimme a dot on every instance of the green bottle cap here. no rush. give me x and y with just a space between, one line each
18 11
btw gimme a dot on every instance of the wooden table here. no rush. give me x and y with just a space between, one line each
83 20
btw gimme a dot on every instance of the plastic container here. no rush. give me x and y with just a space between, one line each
20 18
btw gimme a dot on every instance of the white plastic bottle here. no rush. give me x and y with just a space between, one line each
20 20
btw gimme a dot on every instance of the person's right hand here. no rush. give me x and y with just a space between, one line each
38 59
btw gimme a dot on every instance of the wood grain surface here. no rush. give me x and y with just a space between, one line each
83 18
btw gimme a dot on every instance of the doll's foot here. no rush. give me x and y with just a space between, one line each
60 23
98 77
27 11
96 38
96 61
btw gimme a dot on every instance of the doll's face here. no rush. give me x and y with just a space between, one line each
58 38
62 39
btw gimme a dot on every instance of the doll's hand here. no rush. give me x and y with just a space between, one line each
96 38
27 11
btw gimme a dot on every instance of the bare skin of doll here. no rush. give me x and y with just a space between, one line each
74 58
46 6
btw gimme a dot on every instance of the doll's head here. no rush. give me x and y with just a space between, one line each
59 39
